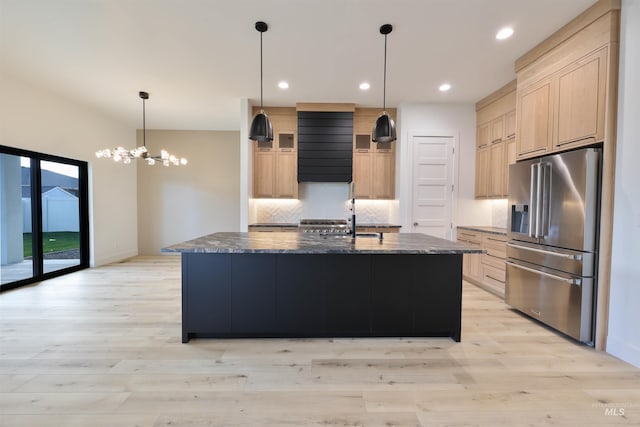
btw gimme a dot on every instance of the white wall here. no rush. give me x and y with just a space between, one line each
446 119
623 338
41 121
179 203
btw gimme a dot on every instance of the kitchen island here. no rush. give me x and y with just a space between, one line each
305 285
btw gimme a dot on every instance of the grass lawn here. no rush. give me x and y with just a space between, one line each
53 242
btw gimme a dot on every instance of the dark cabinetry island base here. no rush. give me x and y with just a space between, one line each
232 295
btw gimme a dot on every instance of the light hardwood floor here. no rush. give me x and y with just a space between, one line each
101 347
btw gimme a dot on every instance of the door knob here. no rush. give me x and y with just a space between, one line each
415 224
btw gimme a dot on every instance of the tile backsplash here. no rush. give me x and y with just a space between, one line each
322 200
499 213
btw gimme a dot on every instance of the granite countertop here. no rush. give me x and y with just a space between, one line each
290 225
275 224
307 243
485 229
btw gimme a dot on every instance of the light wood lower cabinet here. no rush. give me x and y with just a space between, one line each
471 263
486 270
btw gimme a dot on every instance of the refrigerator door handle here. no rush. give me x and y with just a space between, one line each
533 209
539 189
577 282
546 199
573 257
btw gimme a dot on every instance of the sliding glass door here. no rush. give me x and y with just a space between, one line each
43 216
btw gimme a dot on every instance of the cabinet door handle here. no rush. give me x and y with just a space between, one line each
497 280
496 140
511 135
574 257
571 141
495 240
415 224
577 282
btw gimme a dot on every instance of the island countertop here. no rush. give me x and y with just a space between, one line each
307 243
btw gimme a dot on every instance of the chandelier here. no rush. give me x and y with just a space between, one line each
121 154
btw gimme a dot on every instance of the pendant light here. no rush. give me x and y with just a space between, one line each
261 128
121 154
385 128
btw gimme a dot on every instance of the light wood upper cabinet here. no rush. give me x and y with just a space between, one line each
510 124
482 172
566 109
581 100
362 173
534 120
374 165
263 172
275 163
286 174
497 129
510 157
373 168
483 135
496 170
498 113
383 175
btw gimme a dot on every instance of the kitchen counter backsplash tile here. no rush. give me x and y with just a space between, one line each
499 213
292 211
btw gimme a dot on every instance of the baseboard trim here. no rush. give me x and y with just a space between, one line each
622 350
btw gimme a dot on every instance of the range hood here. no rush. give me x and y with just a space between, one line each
325 146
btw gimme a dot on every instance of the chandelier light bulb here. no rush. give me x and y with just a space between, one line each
150 161
183 161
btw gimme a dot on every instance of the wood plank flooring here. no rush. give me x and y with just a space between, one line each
101 347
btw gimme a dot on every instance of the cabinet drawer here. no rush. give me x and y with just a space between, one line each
494 279
496 251
493 275
469 236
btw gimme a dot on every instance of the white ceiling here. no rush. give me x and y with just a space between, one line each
198 58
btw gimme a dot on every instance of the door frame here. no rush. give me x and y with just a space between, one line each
407 161
36 214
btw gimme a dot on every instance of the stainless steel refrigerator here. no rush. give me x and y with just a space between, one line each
553 239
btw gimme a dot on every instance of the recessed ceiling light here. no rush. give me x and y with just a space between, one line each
504 33
283 85
444 87
364 86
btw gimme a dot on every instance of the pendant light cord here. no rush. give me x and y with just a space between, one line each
384 86
144 127
261 109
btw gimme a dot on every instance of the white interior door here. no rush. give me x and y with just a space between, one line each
432 211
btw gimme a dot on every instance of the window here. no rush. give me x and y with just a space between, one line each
43 216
